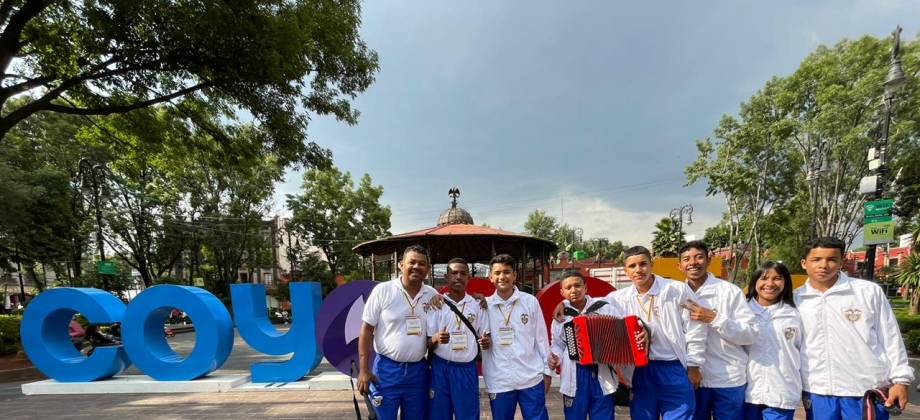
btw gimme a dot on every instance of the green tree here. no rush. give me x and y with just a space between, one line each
334 215
541 225
666 239
797 149
718 236
908 273
116 56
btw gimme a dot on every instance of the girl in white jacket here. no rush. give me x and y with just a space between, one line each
774 382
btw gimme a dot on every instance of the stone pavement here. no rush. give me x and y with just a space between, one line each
227 405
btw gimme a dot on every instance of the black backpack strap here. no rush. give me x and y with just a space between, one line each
597 305
570 311
468 325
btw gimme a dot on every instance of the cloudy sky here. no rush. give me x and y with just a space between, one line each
587 109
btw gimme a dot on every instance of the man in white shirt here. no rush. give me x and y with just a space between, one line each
665 386
732 325
852 341
395 321
454 376
515 367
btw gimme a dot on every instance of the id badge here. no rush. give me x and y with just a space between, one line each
413 325
458 340
506 336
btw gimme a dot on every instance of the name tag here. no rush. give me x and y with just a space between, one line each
506 336
413 325
458 340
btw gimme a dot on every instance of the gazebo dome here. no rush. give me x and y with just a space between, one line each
455 215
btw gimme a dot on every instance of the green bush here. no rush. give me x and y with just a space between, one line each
9 335
913 341
908 323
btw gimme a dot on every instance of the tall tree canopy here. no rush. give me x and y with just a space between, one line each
797 149
334 215
103 57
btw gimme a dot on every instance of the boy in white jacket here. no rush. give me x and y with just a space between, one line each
586 389
852 341
664 387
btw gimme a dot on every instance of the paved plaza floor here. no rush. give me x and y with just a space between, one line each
230 405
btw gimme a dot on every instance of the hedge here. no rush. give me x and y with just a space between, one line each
9 335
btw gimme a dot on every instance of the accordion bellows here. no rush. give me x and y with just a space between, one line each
604 339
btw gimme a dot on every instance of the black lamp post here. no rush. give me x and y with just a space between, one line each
93 184
677 216
893 82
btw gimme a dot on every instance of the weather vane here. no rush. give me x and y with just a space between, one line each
454 192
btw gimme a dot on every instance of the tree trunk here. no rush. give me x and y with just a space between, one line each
914 308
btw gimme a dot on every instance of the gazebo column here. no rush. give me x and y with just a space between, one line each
373 266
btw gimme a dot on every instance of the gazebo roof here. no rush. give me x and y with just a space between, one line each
457 238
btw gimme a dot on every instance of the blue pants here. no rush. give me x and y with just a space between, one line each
825 407
589 397
719 403
762 412
403 387
662 388
532 401
454 390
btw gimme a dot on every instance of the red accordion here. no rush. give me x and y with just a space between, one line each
604 339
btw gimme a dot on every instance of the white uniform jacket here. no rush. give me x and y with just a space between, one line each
773 368
521 364
387 309
668 320
733 327
852 340
445 317
606 374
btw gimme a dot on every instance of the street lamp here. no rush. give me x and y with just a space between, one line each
576 238
599 258
893 82
93 184
677 216
817 167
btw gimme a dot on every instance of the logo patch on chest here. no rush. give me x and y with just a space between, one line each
525 319
789 332
853 315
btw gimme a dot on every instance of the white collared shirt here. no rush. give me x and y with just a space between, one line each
386 309
606 374
852 340
674 336
775 359
733 327
522 364
445 317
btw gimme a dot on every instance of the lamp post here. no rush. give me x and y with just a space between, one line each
817 166
93 184
599 258
677 216
576 238
893 82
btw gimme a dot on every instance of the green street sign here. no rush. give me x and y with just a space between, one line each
198 281
878 233
876 219
878 208
105 267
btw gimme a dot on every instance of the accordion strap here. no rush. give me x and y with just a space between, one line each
598 304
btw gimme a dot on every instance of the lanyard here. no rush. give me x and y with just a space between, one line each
648 311
411 306
508 317
458 316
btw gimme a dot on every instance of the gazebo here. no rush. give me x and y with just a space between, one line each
457 236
